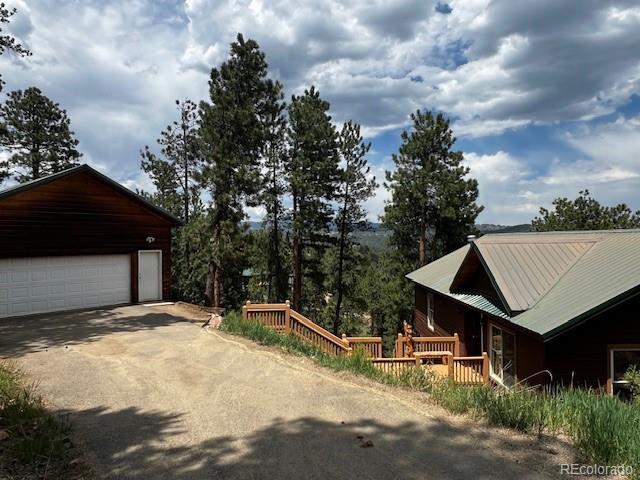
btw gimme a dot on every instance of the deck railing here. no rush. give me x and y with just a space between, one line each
471 370
465 370
395 366
371 346
428 344
272 315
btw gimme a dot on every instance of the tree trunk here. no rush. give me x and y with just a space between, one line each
212 292
208 290
343 233
185 159
276 275
297 261
422 247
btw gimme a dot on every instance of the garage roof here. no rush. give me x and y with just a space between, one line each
551 280
86 168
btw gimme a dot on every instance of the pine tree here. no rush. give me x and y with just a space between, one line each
233 138
355 187
8 43
275 187
165 180
433 207
36 133
585 213
312 171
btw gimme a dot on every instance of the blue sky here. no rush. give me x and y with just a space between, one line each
544 96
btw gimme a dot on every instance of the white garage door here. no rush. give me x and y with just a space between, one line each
48 284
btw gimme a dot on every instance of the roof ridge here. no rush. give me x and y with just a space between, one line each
563 232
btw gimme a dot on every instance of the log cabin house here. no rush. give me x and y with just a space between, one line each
560 307
77 239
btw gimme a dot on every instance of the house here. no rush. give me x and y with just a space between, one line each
77 239
548 307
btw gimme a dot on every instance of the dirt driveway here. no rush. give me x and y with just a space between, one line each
152 395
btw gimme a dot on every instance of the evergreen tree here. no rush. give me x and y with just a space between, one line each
389 295
355 187
177 176
432 206
36 133
312 170
584 213
165 180
233 136
275 187
8 43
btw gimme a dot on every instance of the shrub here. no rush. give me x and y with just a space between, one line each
633 377
35 436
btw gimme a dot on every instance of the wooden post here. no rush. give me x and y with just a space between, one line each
450 366
399 350
485 368
287 318
456 345
418 360
245 308
345 340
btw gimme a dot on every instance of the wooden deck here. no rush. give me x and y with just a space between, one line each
440 354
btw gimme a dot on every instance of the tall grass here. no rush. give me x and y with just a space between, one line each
604 429
34 436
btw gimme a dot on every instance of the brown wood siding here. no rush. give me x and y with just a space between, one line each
581 354
82 215
448 317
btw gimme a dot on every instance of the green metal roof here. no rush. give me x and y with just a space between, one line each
601 275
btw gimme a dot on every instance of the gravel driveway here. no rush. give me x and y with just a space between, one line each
153 395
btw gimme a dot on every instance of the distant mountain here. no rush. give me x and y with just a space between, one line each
378 228
491 228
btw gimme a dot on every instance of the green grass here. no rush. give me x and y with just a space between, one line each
35 438
604 429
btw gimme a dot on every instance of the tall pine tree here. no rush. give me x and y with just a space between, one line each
313 173
37 134
354 189
233 136
275 187
433 203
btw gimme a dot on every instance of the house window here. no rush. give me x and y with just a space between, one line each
503 356
430 321
621 359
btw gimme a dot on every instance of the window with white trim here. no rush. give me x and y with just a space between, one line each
502 355
622 358
430 320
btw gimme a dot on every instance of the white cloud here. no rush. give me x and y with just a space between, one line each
610 169
492 65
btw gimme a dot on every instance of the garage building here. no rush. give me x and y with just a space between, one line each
77 239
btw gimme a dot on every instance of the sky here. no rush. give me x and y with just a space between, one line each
544 96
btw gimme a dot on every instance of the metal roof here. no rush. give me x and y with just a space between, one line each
572 275
525 267
21 187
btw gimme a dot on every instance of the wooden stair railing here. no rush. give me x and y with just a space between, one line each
283 319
